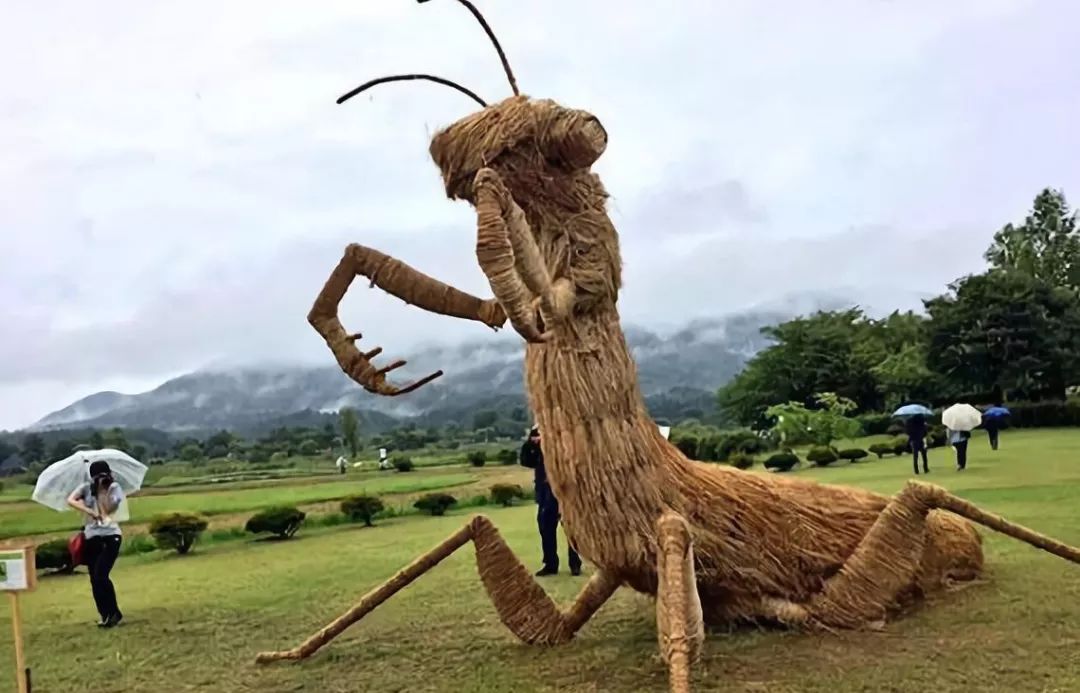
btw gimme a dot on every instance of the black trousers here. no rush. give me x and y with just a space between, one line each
961 454
916 448
101 553
993 433
547 519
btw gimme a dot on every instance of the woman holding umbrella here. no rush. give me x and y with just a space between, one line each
98 500
97 484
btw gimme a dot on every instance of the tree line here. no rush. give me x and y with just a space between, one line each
343 436
1008 334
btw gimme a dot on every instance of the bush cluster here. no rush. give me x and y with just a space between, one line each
506 494
782 461
822 455
1045 414
362 509
281 521
853 454
741 460
719 447
177 531
875 424
54 555
881 449
435 503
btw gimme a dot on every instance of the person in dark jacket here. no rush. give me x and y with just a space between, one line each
992 425
916 431
547 510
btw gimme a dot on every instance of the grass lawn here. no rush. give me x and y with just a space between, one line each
20 519
196 622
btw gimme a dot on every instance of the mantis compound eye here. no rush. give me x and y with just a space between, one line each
576 139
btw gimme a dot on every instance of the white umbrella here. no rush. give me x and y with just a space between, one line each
59 479
961 417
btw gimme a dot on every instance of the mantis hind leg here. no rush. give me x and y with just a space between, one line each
913 546
521 603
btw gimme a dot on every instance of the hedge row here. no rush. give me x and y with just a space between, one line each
181 531
721 447
1048 414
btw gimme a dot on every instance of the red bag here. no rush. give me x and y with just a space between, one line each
75 548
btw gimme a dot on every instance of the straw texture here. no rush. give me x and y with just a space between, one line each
521 603
713 543
679 624
398 279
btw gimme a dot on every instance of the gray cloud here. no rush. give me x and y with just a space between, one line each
179 182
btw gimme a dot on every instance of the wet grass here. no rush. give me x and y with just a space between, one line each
196 622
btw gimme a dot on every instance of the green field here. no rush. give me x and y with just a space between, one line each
26 518
195 622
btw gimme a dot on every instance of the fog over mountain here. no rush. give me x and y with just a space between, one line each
679 370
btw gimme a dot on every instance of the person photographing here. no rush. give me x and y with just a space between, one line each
98 500
547 511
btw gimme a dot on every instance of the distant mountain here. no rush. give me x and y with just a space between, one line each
679 372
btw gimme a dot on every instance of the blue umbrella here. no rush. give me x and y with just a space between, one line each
995 412
912 410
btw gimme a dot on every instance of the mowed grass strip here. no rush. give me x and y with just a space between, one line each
28 518
196 622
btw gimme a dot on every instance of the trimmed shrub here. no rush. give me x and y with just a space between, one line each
435 503
281 521
707 448
900 445
177 531
875 424
477 458
782 461
401 463
853 454
822 455
507 456
881 449
688 445
506 494
1044 414
895 429
362 508
54 555
741 460
741 441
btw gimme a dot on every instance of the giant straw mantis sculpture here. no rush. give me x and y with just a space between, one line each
713 544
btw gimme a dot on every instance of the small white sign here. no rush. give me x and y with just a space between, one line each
665 431
14 575
382 453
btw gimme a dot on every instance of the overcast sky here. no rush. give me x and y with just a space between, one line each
178 181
